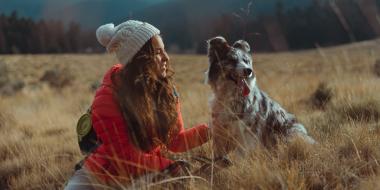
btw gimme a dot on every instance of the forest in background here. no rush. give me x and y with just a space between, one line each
323 23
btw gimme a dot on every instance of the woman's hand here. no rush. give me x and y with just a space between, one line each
208 165
178 168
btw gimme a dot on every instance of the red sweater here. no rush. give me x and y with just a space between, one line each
117 156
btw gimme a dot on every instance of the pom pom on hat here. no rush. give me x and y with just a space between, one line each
105 33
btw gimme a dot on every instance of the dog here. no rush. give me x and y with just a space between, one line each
243 116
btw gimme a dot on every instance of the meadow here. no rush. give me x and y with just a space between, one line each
334 92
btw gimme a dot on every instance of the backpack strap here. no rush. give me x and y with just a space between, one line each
175 93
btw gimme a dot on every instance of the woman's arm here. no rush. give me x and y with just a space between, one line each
189 138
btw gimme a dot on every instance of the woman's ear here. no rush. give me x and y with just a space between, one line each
243 45
113 47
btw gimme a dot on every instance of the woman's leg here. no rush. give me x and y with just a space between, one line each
81 180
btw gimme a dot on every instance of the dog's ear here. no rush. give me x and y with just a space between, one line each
243 45
217 47
217 51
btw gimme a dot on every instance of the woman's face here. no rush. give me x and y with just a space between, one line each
160 55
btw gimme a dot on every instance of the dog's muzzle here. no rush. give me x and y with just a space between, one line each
241 80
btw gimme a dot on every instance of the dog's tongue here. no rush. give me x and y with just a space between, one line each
244 87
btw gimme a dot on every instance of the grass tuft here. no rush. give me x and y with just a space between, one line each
322 96
376 68
57 78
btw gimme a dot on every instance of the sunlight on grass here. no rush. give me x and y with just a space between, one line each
38 147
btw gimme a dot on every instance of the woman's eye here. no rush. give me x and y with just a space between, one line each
158 51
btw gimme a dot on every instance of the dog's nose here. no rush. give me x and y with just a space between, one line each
247 72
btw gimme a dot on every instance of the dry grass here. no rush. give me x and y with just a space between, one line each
322 96
38 147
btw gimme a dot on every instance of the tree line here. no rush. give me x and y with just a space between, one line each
322 23
23 35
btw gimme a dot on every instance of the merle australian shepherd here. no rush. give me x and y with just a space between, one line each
243 116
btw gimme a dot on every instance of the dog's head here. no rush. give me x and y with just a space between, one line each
230 63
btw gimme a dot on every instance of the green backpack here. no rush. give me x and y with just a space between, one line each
87 138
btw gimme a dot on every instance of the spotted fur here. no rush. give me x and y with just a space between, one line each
242 121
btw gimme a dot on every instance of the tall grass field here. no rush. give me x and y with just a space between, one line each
334 92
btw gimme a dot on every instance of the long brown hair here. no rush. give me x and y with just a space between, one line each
146 100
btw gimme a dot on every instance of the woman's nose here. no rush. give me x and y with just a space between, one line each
165 56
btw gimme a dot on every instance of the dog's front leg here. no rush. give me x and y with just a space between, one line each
223 140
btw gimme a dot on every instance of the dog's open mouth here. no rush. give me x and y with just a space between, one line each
242 83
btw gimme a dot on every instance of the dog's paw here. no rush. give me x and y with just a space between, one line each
309 140
303 137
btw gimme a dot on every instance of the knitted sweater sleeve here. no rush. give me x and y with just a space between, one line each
188 138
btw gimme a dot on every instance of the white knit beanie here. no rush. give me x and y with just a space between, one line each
126 39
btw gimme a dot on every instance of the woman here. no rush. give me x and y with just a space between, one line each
136 112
